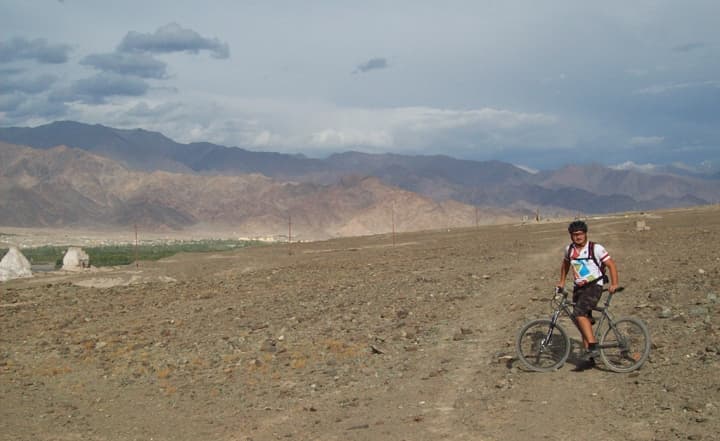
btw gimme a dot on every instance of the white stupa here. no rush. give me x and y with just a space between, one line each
76 259
14 265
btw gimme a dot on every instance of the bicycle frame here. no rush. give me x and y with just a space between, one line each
564 307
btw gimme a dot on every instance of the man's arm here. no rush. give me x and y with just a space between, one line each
614 281
564 268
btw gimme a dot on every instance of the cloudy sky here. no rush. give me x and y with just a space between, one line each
537 83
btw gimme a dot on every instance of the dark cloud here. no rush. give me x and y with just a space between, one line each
373 64
10 71
141 65
689 47
17 107
95 90
38 50
27 85
173 38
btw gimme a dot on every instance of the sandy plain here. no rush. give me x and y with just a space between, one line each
362 338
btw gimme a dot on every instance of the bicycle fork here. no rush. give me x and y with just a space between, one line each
548 336
621 339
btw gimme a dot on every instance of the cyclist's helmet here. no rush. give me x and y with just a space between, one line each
577 225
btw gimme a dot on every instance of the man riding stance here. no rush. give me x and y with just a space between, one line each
588 261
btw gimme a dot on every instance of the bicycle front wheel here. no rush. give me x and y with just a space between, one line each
625 346
542 347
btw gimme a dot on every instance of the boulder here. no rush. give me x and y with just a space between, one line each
75 259
14 265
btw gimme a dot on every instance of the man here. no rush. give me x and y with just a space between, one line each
587 264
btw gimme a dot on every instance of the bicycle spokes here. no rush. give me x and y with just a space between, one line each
541 346
625 345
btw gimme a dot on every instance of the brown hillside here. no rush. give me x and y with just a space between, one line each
63 187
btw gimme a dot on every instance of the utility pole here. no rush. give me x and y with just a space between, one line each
393 223
137 264
289 235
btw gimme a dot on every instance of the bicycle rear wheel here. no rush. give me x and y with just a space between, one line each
625 346
541 347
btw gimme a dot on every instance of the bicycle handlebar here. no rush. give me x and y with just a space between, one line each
562 290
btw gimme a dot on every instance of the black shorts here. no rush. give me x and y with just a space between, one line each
586 297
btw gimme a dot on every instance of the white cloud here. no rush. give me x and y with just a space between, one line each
630 165
637 72
641 141
426 118
351 137
532 171
402 128
685 167
302 126
660 89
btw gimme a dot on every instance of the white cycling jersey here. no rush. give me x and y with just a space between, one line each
585 270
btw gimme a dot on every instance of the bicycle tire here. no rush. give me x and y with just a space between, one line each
631 354
535 358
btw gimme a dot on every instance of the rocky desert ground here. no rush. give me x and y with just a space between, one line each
362 339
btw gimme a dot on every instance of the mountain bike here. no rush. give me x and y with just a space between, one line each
542 345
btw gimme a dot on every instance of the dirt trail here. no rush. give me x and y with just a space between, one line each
356 339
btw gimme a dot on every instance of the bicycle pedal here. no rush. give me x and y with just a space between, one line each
590 355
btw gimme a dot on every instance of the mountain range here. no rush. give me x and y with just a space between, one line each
107 177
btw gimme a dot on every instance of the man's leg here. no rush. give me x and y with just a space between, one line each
586 331
586 298
589 342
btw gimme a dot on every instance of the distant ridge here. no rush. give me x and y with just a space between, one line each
144 150
67 187
495 185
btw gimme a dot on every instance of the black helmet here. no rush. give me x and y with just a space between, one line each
577 225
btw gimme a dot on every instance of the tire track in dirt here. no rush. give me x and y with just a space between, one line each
479 401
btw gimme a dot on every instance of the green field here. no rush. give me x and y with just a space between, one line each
126 254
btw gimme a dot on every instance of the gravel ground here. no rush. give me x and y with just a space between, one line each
360 338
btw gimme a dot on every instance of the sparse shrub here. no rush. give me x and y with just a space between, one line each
112 255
